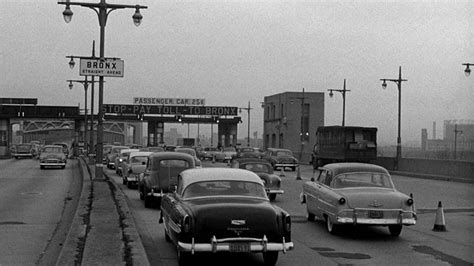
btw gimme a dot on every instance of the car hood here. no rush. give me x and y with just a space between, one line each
374 198
235 217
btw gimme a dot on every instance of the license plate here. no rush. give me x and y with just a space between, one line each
239 247
375 214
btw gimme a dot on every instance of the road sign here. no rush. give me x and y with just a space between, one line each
108 67
170 110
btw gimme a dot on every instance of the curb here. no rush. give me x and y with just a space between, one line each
433 177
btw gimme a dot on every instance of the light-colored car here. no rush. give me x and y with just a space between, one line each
23 150
191 152
113 153
357 194
52 156
119 159
208 153
133 166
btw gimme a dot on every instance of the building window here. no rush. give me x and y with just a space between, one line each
281 141
273 140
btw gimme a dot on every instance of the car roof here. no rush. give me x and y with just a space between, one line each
140 153
196 175
171 155
250 160
55 146
341 168
278 149
128 150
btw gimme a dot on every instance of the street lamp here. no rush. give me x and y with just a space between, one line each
71 65
85 83
467 71
343 92
456 131
102 9
248 121
399 138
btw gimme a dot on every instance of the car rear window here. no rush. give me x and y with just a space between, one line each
257 168
139 159
224 188
53 149
349 180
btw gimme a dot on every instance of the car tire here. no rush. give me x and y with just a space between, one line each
310 217
62 167
395 229
183 257
41 166
124 181
331 227
129 185
293 169
147 200
272 197
270 258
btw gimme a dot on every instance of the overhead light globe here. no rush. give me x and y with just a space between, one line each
67 14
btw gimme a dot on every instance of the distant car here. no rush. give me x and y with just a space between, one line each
105 152
133 166
113 153
161 175
191 152
247 152
224 210
23 150
170 147
264 170
357 194
122 155
281 158
52 156
208 153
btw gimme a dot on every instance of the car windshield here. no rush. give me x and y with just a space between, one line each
53 149
139 159
229 149
349 180
107 149
284 153
247 150
187 151
225 188
257 167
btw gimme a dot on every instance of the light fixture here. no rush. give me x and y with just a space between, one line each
384 84
331 94
137 17
70 85
467 71
72 63
67 14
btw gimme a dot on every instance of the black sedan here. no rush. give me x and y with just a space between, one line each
224 210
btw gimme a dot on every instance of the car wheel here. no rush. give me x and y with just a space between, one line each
62 167
310 217
272 197
330 226
147 200
129 185
41 166
183 257
395 229
270 258
124 181
293 169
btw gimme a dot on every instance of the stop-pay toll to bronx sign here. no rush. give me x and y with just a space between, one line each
170 109
108 67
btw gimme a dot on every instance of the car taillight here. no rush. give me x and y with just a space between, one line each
342 201
186 224
287 223
410 202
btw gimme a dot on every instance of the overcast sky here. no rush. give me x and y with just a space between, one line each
232 52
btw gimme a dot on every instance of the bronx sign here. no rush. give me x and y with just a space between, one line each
108 67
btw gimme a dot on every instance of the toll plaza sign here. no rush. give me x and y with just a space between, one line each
108 67
170 110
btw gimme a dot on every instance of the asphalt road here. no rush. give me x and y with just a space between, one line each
36 210
417 245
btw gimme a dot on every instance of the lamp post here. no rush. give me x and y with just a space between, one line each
467 71
71 65
343 92
102 10
85 83
399 138
248 122
456 131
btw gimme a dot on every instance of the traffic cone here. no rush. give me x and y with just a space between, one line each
439 225
282 172
213 159
298 174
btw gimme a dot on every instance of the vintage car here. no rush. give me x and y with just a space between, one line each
161 175
23 150
247 152
52 156
357 194
113 153
134 165
226 154
264 170
208 153
121 156
153 149
224 210
191 152
281 158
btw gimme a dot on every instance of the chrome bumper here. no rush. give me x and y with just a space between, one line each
219 245
356 218
275 191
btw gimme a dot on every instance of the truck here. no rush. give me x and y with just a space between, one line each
344 144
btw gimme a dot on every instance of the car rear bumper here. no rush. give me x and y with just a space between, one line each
286 165
53 164
275 191
390 217
224 245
